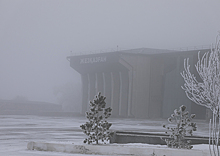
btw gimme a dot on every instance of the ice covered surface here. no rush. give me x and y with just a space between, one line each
17 131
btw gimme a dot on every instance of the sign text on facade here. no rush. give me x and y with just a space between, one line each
92 60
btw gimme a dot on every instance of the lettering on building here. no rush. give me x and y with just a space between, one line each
92 60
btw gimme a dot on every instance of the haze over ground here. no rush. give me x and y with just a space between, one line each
37 36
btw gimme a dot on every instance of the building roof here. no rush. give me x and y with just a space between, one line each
146 51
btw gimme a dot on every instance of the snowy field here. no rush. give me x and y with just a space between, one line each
17 131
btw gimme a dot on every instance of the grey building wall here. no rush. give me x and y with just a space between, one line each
137 84
174 96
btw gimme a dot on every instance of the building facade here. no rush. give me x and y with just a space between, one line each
142 83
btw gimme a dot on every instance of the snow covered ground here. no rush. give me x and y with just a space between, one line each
17 131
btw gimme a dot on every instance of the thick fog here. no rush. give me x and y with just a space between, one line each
37 36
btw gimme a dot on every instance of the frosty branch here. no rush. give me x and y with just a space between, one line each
206 92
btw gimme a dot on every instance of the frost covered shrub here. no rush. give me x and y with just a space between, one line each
183 126
97 128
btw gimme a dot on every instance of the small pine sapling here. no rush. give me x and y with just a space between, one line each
98 127
183 126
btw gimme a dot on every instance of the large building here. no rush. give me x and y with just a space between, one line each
142 83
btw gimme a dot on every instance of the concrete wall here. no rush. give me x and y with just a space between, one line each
174 96
156 87
114 85
141 84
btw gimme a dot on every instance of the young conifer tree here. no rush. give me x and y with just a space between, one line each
182 125
97 128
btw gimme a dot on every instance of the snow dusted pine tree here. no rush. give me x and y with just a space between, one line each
98 127
207 91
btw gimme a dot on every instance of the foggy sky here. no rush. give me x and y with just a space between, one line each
37 36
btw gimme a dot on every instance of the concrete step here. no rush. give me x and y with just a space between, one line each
124 137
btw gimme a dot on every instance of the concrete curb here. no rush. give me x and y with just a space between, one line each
115 149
